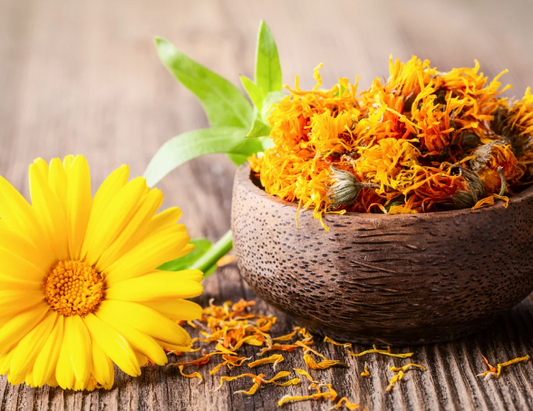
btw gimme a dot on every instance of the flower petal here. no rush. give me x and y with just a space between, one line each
13 302
5 361
64 371
17 244
148 255
49 210
147 321
139 341
157 286
103 370
111 186
135 231
20 325
176 309
114 345
17 214
78 205
57 177
116 216
13 266
30 346
164 219
79 347
45 364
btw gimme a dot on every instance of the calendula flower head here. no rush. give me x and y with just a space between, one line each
79 280
403 140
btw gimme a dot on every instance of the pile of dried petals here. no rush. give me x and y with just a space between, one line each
422 141
231 326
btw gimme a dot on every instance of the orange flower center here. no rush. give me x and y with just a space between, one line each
73 288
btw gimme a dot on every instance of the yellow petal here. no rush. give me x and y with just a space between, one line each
17 214
52 382
135 231
41 167
9 285
148 255
64 371
115 218
29 379
58 181
173 347
45 364
14 243
139 341
114 345
176 309
20 325
102 367
79 347
31 345
147 321
12 265
165 219
141 359
13 302
49 211
5 362
79 200
103 197
67 161
157 286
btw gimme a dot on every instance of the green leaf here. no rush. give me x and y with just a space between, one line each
183 263
185 147
257 95
259 127
267 65
238 159
223 103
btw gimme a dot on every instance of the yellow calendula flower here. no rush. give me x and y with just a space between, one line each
79 284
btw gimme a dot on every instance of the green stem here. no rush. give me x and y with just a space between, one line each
208 261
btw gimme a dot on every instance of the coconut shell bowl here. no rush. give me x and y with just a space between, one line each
385 279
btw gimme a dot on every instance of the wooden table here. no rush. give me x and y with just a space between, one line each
83 77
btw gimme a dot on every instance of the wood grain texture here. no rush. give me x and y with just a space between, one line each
83 77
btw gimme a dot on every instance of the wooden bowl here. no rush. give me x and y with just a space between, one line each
386 279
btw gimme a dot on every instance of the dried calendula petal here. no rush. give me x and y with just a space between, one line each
330 395
306 348
344 402
490 201
273 359
322 365
258 379
401 373
331 341
227 259
282 374
395 379
305 374
279 347
407 366
287 337
496 371
230 362
193 375
383 352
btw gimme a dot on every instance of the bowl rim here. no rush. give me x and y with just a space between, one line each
243 177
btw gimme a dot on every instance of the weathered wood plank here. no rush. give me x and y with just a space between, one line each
84 78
